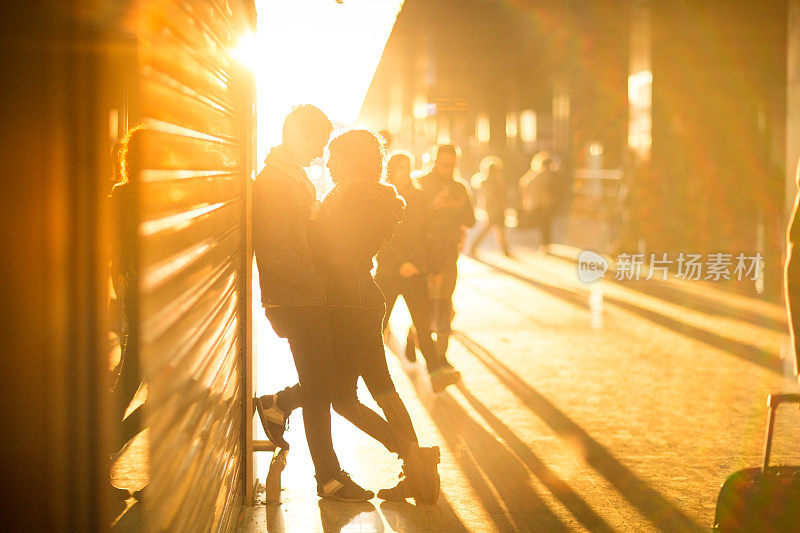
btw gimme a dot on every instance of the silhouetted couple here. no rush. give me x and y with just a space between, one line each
318 292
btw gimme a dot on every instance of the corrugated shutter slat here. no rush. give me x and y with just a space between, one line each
194 167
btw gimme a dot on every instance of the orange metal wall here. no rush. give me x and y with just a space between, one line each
195 160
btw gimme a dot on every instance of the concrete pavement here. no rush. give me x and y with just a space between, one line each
610 407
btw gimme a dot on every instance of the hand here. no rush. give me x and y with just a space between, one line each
408 269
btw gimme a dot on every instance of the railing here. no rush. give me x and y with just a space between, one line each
596 191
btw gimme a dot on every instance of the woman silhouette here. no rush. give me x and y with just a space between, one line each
355 219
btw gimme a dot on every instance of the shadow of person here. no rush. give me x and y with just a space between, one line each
638 492
579 508
500 480
362 516
403 516
741 349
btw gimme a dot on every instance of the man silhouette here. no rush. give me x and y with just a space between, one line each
452 214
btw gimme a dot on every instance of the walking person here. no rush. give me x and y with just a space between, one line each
492 182
293 295
539 192
452 213
404 269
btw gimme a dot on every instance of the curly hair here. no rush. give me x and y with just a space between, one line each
129 153
365 152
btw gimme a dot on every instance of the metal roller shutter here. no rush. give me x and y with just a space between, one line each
195 160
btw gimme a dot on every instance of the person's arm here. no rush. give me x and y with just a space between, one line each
466 213
393 252
524 192
406 241
337 242
272 210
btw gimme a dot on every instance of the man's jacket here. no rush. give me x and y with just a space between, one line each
283 203
447 221
411 240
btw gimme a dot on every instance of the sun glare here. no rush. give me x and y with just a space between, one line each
246 51
318 52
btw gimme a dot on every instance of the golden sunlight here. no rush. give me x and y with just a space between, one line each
317 52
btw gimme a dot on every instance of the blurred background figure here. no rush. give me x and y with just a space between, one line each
490 185
452 212
627 214
539 193
129 392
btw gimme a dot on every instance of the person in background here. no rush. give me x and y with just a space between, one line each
293 290
491 181
404 266
452 213
539 191
128 389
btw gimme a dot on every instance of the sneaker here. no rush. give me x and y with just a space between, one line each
443 377
272 418
411 347
399 492
343 489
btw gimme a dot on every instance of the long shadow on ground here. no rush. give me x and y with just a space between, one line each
498 478
742 350
557 486
670 293
681 296
651 503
